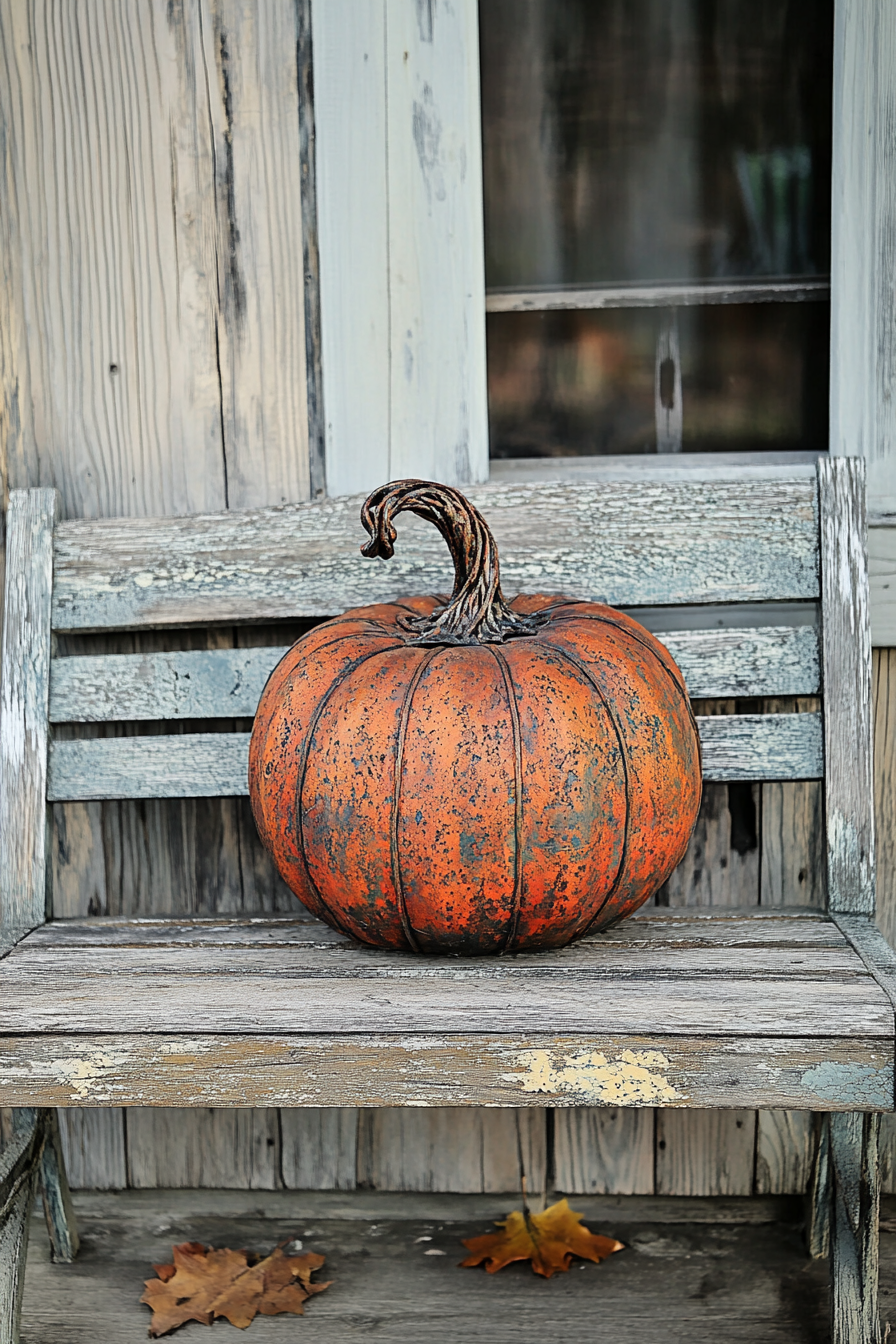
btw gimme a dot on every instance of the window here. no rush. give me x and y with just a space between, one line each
657 224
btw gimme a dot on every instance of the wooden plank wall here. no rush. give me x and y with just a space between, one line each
153 360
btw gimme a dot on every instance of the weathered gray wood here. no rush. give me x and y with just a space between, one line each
820 1194
680 928
849 783
640 467
655 296
23 706
153 352
793 868
19 1161
452 1149
58 1208
208 765
784 1143
874 950
863 266
227 683
705 1152
604 1151
884 673
191 1148
818 992
319 1148
93 1145
882 582
855 1317
715 542
715 870
693 1270
358 1069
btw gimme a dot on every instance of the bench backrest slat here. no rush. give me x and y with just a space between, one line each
227 683
202 765
633 544
630 544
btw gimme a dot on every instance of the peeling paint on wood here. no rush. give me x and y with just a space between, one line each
632 1078
711 542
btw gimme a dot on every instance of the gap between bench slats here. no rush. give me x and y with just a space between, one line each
212 765
227 683
639 544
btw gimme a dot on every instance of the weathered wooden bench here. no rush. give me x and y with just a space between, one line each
781 1008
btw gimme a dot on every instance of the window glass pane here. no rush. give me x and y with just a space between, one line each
628 141
750 377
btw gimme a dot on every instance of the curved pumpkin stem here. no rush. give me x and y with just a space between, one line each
476 612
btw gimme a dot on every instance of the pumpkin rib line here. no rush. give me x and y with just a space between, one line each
614 886
396 795
306 752
635 634
626 630
516 733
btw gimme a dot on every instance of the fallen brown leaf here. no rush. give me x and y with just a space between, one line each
204 1284
549 1240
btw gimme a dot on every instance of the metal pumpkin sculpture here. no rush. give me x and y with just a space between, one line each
473 775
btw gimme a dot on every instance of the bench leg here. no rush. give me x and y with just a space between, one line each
19 1166
58 1210
855 1178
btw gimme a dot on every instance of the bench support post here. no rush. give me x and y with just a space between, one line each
853 1140
33 1155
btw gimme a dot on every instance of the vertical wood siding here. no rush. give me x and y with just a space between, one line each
153 359
401 254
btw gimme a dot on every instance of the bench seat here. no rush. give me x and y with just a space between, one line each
677 1008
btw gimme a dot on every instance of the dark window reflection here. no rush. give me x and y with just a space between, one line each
750 377
650 140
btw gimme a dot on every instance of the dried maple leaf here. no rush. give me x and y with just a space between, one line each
549 1240
204 1284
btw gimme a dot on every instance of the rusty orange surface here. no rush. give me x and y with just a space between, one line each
478 799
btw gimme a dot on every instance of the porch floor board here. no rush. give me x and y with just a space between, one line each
694 1270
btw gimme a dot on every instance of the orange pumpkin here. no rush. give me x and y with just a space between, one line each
473 775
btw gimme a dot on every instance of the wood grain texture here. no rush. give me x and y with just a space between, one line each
855 1314
319 1148
352 204
716 542
794 863
863 258
249 79
705 1152
19 1162
606 1151
23 706
211 765
884 679
849 785
450 1148
227 683
400 211
882 581
784 1147
749 930
93 1146
810 992
178 1148
59 1211
693 1271
360 1069
721 865
153 354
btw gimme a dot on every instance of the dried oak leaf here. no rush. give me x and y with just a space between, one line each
549 1240
204 1284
